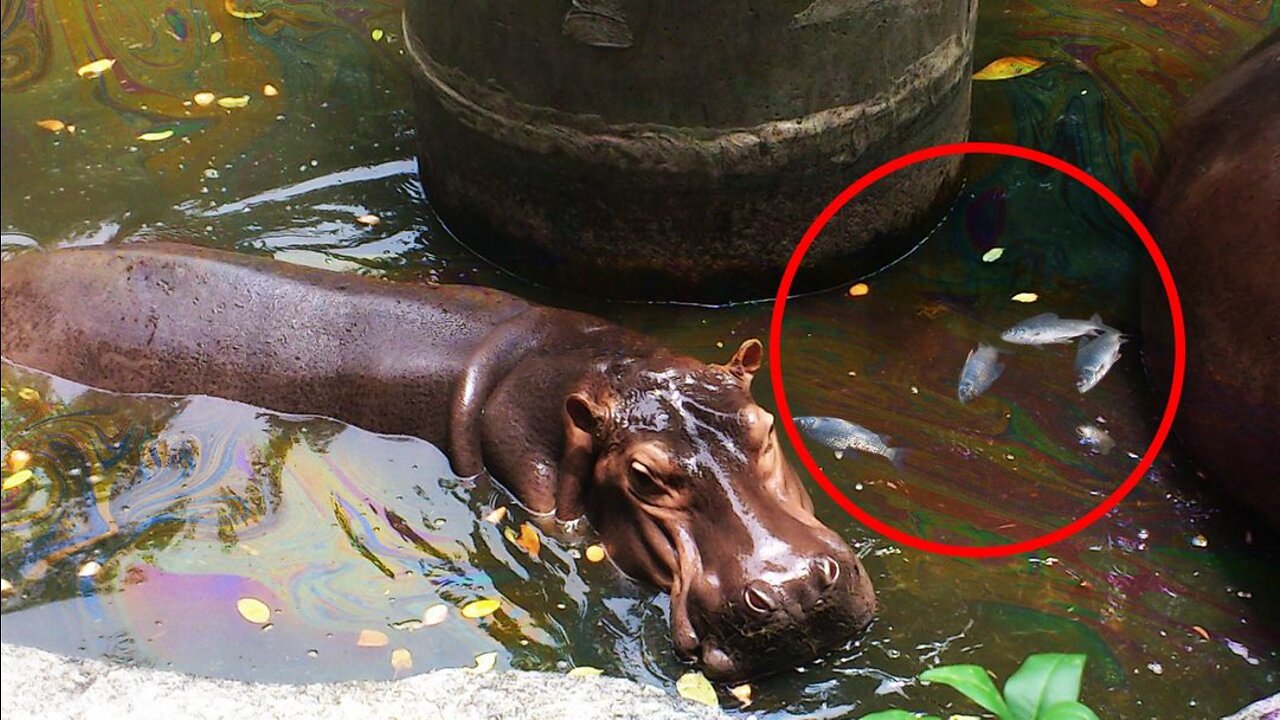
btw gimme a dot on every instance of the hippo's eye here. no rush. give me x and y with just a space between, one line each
642 479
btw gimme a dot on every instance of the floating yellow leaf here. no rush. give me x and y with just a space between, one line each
270 90
480 608
496 515
52 125
595 553
204 98
29 394
401 659
372 639
435 614
17 479
1025 297
585 671
376 34
743 693
369 219
696 687
89 569
529 540
234 102
242 14
156 136
859 290
1008 67
485 662
1200 631
993 254
253 610
214 37
95 68
18 459
1149 3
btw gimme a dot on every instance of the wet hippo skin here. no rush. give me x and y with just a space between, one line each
1216 217
669 458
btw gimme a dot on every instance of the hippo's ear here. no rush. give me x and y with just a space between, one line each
585 414
747 360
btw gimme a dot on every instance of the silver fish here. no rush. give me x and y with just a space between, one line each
1049 329
981 368
1098 440
1095 356
841 435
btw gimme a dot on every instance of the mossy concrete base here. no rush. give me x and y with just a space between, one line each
38 684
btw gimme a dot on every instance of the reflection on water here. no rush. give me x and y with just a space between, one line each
191 504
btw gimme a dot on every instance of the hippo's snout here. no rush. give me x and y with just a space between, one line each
781 618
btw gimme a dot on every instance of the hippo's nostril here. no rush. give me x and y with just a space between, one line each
827 571
759 599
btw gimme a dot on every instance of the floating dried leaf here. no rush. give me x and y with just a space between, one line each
369 220
95 68
1008 67
1025 297
859 290
204 98
376 34
480 608
234 102
993 254
529 540
595 553
435 614
242 14
496 515
485 662
214 37
695 686
18 459
270 90
1200 631
17 479
155 136
253 610
743 693
29 394
401 660
52 125
585 671
409 625
372 639
89 569
1200 541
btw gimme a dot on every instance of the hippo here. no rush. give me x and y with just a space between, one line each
1216 216
668 458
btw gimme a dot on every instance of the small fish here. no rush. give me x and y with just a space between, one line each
1097 439
1095 356
1049 329
841 435
981 368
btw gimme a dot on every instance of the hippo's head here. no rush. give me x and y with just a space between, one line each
690 491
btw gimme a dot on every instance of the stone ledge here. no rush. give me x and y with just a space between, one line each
38 684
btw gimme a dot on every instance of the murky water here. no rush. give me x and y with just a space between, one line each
190 504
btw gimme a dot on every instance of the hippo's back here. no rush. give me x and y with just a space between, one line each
171 318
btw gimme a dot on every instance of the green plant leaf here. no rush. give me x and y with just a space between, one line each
1068 711
1042 682
898 715
973 683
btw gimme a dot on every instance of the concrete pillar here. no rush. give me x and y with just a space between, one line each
680 149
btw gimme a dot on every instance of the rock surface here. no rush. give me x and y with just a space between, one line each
38 684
